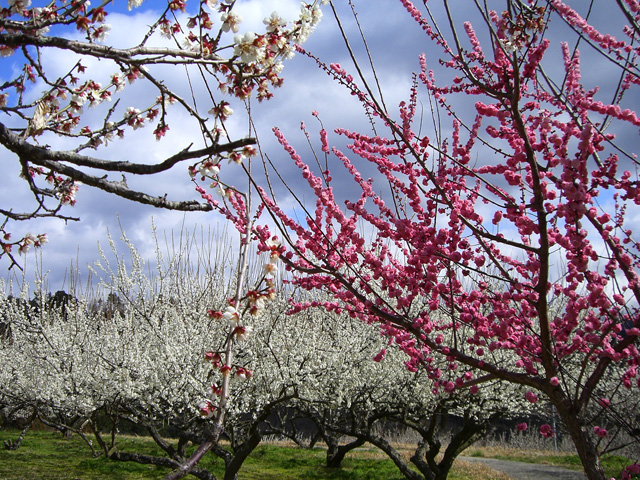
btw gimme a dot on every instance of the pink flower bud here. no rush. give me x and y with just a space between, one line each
207 409
213 357
241 332
243 373
216 389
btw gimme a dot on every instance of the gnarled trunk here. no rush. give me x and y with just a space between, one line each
337 452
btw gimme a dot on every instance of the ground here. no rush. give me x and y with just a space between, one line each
527 471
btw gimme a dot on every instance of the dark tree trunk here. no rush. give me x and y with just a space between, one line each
240 454
585 448
395 456
471 432
337 452
10 444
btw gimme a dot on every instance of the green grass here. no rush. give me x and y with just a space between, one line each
274 462
47 456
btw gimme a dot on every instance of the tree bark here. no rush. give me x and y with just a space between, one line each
10 444
240 455
337 452
585 448
395 456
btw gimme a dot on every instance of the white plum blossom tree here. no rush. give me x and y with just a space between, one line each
145 347
157 361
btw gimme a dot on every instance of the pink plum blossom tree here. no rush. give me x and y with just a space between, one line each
503 238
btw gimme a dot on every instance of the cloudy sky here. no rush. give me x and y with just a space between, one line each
306 88
395 41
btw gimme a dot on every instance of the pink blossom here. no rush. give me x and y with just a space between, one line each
601 432
324 141
546 431
630 470
380 355
242 332
243 373
207 409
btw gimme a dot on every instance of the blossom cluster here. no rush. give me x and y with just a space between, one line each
24 244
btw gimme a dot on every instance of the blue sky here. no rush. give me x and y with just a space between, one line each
395 42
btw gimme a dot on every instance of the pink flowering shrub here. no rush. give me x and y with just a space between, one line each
504 243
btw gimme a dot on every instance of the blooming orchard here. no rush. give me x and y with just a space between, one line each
354 396
154 358
147 351
506 230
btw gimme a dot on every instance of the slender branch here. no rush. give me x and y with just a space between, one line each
139 54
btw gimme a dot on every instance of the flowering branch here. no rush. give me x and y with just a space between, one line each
458 260
229 68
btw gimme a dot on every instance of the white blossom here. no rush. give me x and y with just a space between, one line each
245 48
231 22
18 6
134 4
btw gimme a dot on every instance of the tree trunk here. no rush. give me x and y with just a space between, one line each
395 456
240 454
470 433
336 452
10 444
584 446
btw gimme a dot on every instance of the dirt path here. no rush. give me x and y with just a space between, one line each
527 471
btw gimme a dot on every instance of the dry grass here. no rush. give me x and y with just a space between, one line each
476 471
505 452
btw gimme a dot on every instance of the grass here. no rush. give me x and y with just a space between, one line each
47 456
